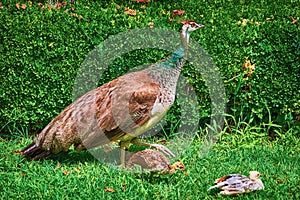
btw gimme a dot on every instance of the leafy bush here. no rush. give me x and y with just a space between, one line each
42 49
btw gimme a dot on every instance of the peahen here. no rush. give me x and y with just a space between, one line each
238 184
154 162
118 111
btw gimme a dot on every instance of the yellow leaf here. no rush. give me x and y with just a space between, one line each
51 44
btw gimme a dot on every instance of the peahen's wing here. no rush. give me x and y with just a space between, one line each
102 115
125 108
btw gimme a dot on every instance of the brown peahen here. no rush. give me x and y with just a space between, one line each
118 111
154 162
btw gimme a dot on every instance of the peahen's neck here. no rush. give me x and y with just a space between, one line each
177 59
166 73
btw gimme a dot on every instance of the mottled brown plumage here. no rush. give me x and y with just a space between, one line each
118 111
153 161
238 184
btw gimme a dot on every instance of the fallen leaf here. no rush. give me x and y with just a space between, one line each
178 12
151 24
23 6
51 44
64 3
23 173
66 10
8 6
130 12
118 7
17 151
109 189
175 13
1 7
269 18
57 167
18 6
40 4
58 5
294 21
248 66
161 141
279 181
66 173
124 186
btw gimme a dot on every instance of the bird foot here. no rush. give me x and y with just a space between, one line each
162 148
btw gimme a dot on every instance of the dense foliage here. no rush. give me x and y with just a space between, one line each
43 47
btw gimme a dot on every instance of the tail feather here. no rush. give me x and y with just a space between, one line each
219 185
212 187
34 152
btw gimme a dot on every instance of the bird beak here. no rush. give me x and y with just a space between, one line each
201 26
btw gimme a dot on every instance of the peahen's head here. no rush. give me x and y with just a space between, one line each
254 175
190 26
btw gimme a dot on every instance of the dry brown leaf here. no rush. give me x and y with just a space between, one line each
40 4
118 7
279 181
18 6
64 3
161 141
109 189
58 5
294 21
23 173
66 173
124 186
130 12
248 66
175 13
17 151
151 24
23 6
1 7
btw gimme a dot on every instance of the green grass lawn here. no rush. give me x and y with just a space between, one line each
81 176
42 51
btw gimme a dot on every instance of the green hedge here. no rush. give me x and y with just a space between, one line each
42 49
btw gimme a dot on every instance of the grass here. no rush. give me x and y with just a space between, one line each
81 176
240 148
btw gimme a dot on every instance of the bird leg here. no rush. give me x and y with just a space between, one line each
124 145
159 147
